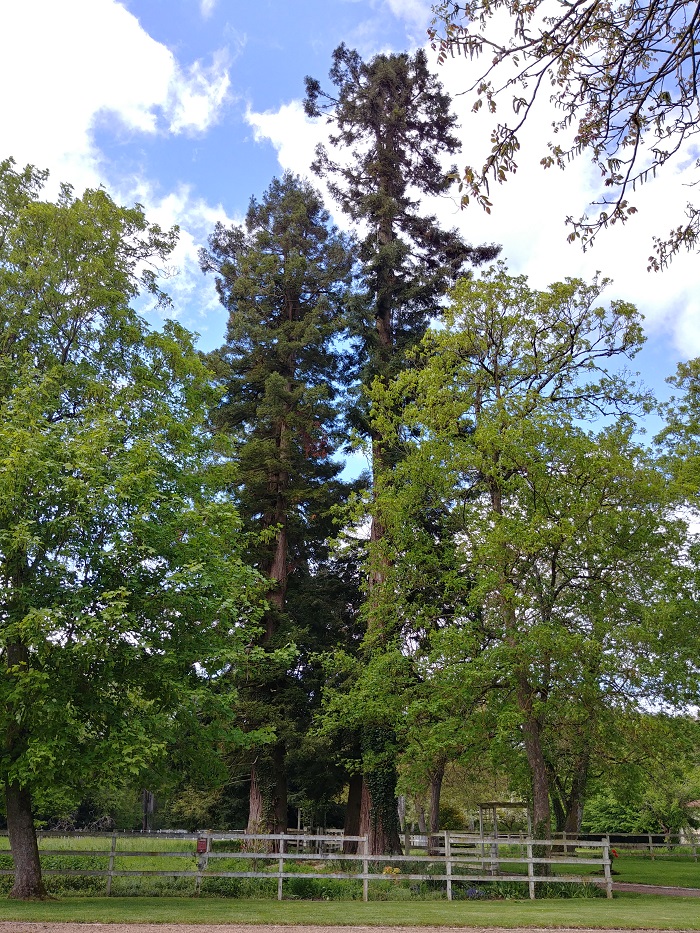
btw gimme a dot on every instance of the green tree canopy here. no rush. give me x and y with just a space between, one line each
569 592
122 588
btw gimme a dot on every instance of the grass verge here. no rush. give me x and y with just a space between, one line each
624 912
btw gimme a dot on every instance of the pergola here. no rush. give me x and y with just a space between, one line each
493 806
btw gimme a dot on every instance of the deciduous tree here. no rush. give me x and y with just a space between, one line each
122 587
570 549
622 75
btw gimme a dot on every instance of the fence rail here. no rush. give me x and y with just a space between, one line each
457 858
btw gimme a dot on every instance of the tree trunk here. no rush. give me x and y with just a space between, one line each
435 790
255 804
379 816
420 813
267 809
352 813
541 819
279 800
25 851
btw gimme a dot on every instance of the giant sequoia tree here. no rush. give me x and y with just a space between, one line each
285 279
121 585
391 127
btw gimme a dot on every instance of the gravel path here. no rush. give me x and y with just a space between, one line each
46 927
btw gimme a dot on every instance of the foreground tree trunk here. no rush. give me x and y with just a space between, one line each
25 851
267 811
255 804
379 815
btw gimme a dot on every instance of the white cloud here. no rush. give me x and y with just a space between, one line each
198 96
291 132
72 63
194 298
207 7
416 12
80 64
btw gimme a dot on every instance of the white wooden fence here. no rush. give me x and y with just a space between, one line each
459 858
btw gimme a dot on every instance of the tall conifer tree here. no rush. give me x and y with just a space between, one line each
392 124
285 278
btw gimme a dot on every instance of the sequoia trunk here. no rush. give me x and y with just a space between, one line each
352 813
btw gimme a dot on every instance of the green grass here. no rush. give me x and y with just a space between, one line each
624 912
675 872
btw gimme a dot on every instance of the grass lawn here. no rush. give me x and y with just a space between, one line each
675 872
624 912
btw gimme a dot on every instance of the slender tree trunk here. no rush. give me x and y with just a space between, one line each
541 819
352 813
25 851
435 790
420 813
256 816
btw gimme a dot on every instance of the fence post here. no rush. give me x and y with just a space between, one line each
651 846
606 866
530 870
281 870
203 846
365 869
110 866
448 864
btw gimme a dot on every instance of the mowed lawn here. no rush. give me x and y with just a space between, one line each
624 912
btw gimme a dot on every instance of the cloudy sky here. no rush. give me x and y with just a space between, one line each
192 106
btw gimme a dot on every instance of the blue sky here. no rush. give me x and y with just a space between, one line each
192 106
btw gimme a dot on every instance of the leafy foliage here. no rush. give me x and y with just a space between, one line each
624 76
122 585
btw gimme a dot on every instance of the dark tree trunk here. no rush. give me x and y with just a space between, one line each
422 822
435 790
25 851
352 813
279 801
541 819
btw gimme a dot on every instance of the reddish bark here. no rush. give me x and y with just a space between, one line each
352 813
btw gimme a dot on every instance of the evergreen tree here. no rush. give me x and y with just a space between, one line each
394 120
286 279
